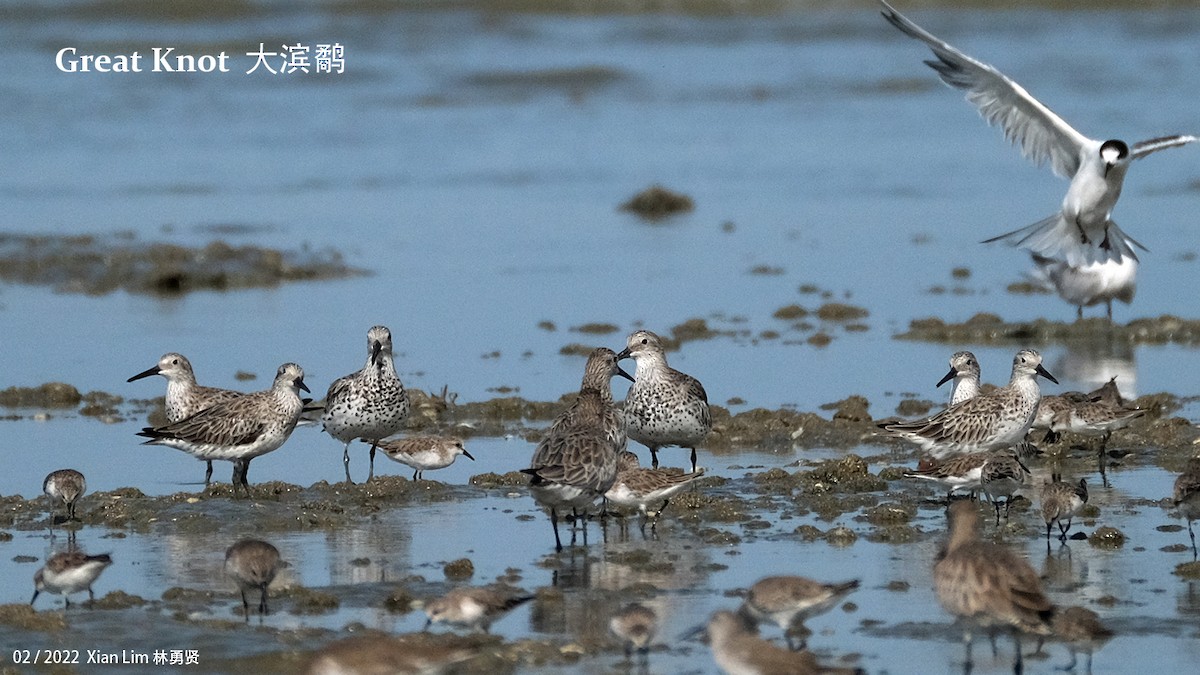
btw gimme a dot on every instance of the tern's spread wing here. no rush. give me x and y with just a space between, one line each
1143 148
1042 135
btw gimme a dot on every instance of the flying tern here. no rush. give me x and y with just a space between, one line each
1081 236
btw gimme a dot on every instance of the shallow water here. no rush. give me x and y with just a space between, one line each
473 161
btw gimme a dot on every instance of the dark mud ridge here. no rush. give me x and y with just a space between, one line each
96 265
991 329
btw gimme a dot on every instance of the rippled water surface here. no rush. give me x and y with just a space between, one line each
473 161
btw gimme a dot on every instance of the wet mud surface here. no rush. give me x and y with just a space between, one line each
844 492
97 265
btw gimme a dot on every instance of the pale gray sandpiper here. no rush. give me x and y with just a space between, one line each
788 601
1002 475
576 463
370 404
664 407
637 487
965 372
1088 284
1060 503
239 429
1081 235
1051 405
253 564
635 625
390 655
1094 419
69 572
184 397
67 486
738 651
1186 496
474 608
1082 631
422 453
985 584
996 419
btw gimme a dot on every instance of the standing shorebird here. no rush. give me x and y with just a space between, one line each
253 564
184 397
1060 503
738 651
1186 496
472 608
1094 419
576 463
1049 407
1089 259
789 601
239 429
69 572
370 404
664 407
67 485
637 487
984 584
997 419
422 453
965 372
1001 476
390 655
635 625
958 473
1081 629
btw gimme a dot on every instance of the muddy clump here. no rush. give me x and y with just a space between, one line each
657 202
837 311
49 395
1107 537
991 329
460 569
790 312
96 266
24 617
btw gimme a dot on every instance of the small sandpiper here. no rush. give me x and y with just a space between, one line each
1060 503
1050 406
1081 629
370 404
69 572
393 655
474 608
736 649
985 584
664 407
67 485
635 625
422 453
1095 420
958 473
965 372
576 463
997 419
253 564
1186 496
184 397
1002 475
637 487
788 601
239 429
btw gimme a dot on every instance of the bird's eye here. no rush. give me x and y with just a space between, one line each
174 362
645 341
